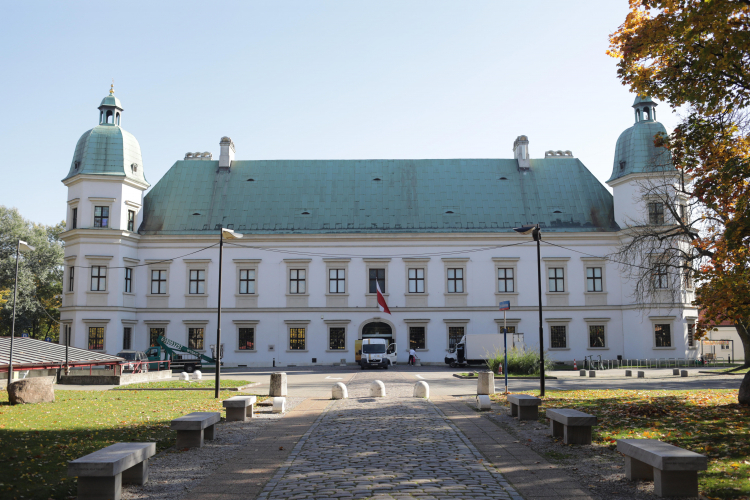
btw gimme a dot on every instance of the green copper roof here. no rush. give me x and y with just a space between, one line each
643 99
111 100
635 151
108 150
377 196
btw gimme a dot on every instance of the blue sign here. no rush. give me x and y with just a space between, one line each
48 339
24 335
505 305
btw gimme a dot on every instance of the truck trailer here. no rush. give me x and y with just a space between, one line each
474 349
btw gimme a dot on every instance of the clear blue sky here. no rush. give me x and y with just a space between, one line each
306 79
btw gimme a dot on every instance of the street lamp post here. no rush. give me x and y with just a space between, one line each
536 233
230 235
22 247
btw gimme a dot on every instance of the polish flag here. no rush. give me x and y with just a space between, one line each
381 300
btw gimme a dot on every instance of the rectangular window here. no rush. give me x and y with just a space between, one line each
416 280
377 276
96 338
246 339
456 280
593 279
336 281
195 338
127 338
505 280
691 335
556 279
656 213
596 336
247 281
101 216
128 280
153 335
296 339
336 338
687 276
455 334
663 335
98 278
660 276
197 281
131 220
158 282
417 338
297 281
71 275
74 222
683 213
558 337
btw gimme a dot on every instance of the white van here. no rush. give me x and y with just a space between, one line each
377 353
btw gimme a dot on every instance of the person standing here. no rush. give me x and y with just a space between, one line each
412 356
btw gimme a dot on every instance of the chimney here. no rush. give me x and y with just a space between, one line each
521 152
226 156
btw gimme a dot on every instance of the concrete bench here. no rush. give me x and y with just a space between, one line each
194 427
572 425
673 470
101 474
239 408
523 406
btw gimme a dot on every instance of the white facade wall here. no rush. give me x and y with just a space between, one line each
629 331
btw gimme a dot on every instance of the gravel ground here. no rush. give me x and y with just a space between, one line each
173 473
597 468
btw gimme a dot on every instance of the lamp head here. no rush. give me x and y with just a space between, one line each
230 234
25 247
535 231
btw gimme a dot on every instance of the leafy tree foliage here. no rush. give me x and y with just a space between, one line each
39 275
697 53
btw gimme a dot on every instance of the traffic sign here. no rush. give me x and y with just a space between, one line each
48 339
505 305
24 335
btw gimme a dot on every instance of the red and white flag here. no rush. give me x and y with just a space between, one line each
381 300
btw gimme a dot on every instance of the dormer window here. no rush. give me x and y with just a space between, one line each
76 164
134 168
622 165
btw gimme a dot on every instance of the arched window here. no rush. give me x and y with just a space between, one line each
637 115
377 330
109 117
117 119
646 114
101 116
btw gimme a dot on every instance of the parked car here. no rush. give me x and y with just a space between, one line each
134 357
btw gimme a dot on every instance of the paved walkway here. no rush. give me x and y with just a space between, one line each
387 448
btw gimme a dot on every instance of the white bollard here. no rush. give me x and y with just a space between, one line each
486 383
184 376
483 402
339 391
278 384
422 390
198 375
377 389
278 404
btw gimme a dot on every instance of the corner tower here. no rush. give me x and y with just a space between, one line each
636 158
105 180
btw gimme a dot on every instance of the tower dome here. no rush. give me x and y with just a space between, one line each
108 149
635 151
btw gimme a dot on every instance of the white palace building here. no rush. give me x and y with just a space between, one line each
299 287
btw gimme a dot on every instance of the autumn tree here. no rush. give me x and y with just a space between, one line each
38 299
695 53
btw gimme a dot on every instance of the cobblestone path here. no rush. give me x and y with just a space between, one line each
392 447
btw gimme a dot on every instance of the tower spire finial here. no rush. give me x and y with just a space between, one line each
112 87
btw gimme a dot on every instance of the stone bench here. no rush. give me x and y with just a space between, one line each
101 474
673 470
239 408
523 406
194 427
572 425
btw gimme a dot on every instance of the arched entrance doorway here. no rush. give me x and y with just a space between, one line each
378 330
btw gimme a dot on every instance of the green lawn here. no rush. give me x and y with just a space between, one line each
733 370
38 440
182 384
501 376
709 422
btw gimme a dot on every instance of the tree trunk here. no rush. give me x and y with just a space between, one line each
741 327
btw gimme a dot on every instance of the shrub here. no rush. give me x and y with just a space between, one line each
520 362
